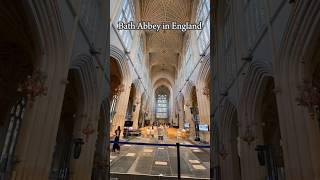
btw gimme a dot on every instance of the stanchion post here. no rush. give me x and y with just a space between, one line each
178 160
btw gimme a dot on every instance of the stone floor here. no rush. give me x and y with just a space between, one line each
160 161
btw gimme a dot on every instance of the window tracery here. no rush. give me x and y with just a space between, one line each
126 15
203 15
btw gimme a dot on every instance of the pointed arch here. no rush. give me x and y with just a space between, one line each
122 61
258 71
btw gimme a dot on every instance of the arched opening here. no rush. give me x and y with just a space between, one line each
66 146
131 106
162 95
115 86
270 154
195 112
17 54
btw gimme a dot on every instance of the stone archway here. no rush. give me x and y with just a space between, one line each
65 142
294 70
260 129
78 139
119 102
40 33
116 86
269 147
249 110
17 57
229 151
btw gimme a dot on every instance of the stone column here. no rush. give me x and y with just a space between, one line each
204 110
135 114
188 118
181 114
121 109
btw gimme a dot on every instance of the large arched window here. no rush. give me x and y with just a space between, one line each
126 15
162 106
203 15
162 102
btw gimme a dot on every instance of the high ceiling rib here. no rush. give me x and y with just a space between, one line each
164 47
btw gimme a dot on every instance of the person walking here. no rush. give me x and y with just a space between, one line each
152 132
160 133
116 140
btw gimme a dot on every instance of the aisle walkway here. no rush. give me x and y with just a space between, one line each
152 160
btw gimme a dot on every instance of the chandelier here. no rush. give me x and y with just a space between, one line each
119 89
206 91
34 85
310 98
88 131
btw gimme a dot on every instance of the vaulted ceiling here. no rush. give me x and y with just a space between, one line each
164 47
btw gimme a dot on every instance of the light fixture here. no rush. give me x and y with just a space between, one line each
206 91
310 98
34 85
88 131
119 89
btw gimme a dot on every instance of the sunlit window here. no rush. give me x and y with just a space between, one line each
140 51
188 61
162 106
203 15
114 102
126 16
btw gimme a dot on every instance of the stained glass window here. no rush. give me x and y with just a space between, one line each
162 106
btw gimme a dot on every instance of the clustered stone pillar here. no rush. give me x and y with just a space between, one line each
121 109
135 114
188 118
204 110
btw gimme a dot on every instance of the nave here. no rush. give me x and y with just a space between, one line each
240 97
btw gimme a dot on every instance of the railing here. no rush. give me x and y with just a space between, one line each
177 145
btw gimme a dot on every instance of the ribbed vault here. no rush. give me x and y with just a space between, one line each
164 47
